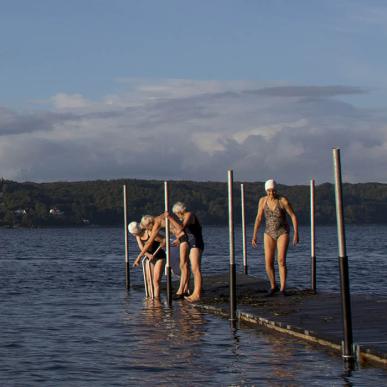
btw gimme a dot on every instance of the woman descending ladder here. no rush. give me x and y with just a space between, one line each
148 272
154 262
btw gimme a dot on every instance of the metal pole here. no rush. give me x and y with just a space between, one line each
127 272
312 235
232 284
168 264
347 352
244 229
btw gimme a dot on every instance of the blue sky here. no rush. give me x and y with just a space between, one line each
194 84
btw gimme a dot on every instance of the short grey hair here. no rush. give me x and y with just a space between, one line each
147 220
179 208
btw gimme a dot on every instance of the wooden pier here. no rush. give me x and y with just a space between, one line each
316 318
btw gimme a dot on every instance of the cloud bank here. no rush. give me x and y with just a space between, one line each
196 130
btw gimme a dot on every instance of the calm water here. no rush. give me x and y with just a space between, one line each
66 319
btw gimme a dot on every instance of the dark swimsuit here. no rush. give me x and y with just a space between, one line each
153 247
276 223
194 234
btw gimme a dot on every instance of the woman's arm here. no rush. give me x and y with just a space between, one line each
289 209
187 219
155 231
258 221
141 246
159 238
177 227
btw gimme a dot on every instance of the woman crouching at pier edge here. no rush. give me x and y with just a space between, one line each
155 253
193 230
276 235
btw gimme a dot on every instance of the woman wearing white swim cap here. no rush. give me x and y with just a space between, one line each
155 254
276 237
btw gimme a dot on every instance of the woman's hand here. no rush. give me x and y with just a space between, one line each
254 242
175 243
137 261
296 239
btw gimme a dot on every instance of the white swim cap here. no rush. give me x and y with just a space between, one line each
134 228
270 184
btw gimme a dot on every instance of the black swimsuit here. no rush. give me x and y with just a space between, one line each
194 234
153 247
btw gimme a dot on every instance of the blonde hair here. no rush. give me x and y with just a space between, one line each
179 208
135 228
147 221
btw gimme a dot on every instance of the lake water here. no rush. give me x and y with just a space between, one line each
67 320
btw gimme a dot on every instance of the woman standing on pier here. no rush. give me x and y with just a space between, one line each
276 237
155 253
193 230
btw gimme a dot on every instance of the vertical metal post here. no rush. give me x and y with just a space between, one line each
127 272
347 352
313 235
168 264
244 229
232 280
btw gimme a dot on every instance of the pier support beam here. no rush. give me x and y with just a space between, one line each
313 235
347 352
232 283
127 271
167 247
245 267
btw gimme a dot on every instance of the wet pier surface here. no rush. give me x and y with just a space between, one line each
316 318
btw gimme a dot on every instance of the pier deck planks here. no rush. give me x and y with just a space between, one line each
313 317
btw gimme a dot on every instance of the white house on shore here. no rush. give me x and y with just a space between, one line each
56 212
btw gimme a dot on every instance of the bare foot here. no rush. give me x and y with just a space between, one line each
192 298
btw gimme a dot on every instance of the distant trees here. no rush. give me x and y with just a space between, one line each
100 202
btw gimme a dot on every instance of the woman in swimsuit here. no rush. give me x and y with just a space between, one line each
155 254
193 230
154 226
276 236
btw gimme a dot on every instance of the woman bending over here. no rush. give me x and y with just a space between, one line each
155 253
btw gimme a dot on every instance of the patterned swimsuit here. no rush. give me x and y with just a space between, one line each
276 223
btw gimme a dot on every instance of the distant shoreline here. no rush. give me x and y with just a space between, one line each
100 202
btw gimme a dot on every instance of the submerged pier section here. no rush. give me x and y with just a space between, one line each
315 318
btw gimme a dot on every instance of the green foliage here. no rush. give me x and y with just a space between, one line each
101 202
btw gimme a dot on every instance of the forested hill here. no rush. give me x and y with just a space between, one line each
101 202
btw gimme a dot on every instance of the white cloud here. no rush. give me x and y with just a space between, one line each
196 130
64 101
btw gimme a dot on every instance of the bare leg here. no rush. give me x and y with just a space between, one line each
184 269
149 276
282 248
158 268
270 245
195 259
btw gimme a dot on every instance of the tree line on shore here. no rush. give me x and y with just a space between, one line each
100 202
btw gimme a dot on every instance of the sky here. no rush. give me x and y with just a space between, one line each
185 90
